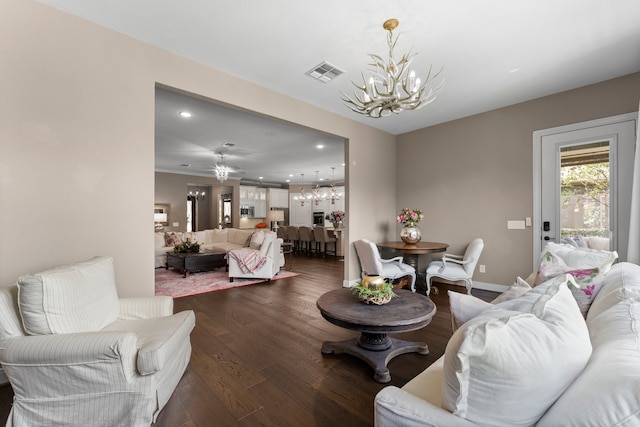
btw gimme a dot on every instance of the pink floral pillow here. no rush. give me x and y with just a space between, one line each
172 239
589 279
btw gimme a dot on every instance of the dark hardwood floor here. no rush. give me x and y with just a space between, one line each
256 357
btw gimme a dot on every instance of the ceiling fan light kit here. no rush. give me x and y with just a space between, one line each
393 86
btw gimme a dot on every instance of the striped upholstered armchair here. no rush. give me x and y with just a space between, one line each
76 354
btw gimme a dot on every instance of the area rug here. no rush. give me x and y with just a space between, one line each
171 283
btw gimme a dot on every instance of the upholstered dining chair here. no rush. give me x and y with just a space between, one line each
456 268
371 263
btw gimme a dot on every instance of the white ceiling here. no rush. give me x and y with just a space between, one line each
493 53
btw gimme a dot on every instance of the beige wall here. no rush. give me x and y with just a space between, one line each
171 189
77 135
474 174
77 160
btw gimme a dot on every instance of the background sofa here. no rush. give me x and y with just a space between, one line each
594 381
223 239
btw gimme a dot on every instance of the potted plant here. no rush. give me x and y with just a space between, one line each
374 290
187 247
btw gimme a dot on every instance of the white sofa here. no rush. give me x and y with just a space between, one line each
223 239
77 355
560 380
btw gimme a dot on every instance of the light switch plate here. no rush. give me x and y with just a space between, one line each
515 225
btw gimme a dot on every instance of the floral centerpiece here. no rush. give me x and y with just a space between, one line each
374 290
409 218
187 247
336 217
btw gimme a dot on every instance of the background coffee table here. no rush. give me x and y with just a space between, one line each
408 312
189 263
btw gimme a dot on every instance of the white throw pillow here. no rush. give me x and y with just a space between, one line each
465 307
607 391
583 257
159 241
216 235
256 239
519 288
199 236
266 244
509 364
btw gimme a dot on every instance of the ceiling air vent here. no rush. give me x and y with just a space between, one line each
324 72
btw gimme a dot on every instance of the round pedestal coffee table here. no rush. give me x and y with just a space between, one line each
408 312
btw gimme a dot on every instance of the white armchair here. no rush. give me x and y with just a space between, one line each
456 267
259 261
77 355
372 263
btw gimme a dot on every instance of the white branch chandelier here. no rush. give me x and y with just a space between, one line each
221 170
393 87
302 197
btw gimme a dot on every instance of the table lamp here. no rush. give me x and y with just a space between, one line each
275 216
159 218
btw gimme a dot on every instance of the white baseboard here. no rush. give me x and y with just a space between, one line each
489 286
350 283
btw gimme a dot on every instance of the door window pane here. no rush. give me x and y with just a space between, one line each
584 188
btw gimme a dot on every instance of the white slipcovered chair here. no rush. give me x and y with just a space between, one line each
456 268
372 264
77 355
261 260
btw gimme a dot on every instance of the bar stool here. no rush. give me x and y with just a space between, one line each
293 234
322 238
306 239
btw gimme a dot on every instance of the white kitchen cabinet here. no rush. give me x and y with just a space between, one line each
299 215
247 195
278 198
260 197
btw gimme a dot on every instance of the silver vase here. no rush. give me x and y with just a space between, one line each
411 235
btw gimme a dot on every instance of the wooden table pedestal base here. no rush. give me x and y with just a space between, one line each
375 349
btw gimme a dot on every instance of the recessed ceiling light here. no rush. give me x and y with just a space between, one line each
288 180
185 114
291 175
319 146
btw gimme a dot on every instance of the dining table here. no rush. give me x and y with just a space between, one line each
411 253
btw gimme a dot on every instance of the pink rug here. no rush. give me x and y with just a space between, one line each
171 283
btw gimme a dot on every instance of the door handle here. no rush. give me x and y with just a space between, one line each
549 238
